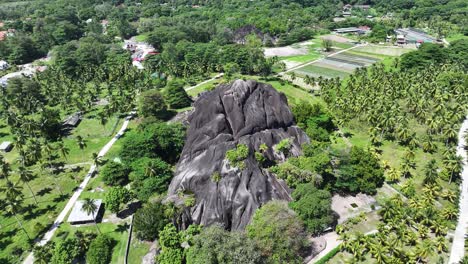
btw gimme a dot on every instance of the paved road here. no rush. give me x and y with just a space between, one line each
458 246
61 217
207 81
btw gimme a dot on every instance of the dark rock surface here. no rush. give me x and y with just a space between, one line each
244 112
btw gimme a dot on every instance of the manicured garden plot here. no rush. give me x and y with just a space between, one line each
356 58
339 66
343 60
315 71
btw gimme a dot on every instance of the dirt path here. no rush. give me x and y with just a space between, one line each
207 81
458 245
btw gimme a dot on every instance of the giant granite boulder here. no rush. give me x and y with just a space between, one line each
243 112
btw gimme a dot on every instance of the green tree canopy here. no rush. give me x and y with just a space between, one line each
175 95
150 220
313 206
361 172
151 103
278 233
100 250
216 245
114 174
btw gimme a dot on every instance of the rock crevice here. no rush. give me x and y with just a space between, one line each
243 112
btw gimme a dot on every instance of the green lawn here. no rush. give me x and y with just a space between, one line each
14 242
141 37
138 249
454 37
118 232
342 45
294 94
313 52
382 50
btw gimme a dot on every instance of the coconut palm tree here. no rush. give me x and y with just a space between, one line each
81 142
393 175
63 150
424 249
449 213
11 190
430 172
97 160
13 207
90 207
26 176
448 195
5 168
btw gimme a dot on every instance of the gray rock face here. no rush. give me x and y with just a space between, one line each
244 112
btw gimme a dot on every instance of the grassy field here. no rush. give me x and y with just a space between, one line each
330 68
293 93
382 50
48 186
118 232
454 37
141 37
14 241
314 52
137 250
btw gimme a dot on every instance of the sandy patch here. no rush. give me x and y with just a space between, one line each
285 51
388 50
337 38
349 206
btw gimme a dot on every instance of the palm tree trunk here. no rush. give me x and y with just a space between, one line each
21 225
34 196
59 188
95 224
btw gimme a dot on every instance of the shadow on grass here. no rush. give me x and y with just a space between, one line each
60 198
40 211
44 191
122 227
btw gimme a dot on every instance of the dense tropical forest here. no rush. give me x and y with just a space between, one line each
387 132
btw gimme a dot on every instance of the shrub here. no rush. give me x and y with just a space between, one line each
283 146
238 155
216 176
100 250
114 174
149 221
328 256
116 196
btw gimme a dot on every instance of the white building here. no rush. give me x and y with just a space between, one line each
4 65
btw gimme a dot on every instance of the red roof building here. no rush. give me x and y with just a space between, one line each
3 35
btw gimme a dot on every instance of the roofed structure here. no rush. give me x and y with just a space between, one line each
79 216
73 120
6 146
